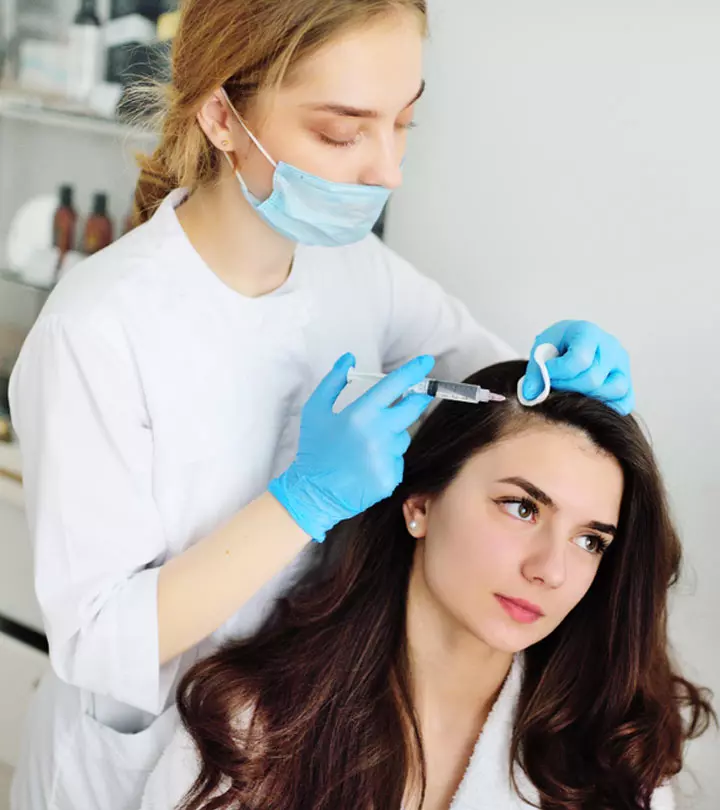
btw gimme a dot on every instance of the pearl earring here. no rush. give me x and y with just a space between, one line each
413 525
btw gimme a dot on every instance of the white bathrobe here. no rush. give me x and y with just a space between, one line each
486 784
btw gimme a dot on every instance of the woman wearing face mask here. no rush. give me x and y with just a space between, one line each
169 486
493 635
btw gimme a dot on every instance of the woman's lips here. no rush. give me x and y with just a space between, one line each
520 610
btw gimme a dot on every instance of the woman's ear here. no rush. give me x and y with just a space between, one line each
215 120
415 510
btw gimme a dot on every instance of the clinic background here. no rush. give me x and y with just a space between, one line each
565 166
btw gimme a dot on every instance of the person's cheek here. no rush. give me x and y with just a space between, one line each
581 573
498 551
336 164
482 560
451 563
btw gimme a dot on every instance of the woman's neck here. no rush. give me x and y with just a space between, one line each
456 679
235 243
450 667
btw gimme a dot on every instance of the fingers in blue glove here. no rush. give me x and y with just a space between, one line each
598 381
616 387
558 335
588 382
624 406
348 461
533 384
397 382
580 342
407 411
591 362
333 384
399 444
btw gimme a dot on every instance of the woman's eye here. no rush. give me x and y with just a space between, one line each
520 508
339 142
592 543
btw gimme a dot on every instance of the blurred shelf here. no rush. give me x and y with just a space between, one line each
15 278
23 105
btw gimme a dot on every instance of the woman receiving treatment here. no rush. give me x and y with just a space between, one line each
493 635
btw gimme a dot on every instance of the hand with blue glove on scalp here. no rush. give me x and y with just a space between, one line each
348 461
590 362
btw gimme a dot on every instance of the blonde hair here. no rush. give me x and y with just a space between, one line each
245 46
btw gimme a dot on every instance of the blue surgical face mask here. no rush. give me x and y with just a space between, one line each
312 211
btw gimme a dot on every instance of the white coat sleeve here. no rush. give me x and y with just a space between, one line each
78 408
663 798
424 319
174 775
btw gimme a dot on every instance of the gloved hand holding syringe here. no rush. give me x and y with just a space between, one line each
439 389
350 459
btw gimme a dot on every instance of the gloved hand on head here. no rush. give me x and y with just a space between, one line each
586 360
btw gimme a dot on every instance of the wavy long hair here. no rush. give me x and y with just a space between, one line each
603 714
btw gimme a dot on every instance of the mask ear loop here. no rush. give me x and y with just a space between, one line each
543 353
245 127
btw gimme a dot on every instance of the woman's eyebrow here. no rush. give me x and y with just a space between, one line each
605 528
531 489
358 112
546 500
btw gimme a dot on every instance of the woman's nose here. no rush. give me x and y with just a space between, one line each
384 167
546 561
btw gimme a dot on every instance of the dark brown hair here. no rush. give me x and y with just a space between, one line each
602 717
245 46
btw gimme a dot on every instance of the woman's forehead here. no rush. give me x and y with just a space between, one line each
562 462
377 67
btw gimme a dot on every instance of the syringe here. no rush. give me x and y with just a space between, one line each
440 389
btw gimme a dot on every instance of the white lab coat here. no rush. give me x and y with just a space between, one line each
152 402
486 784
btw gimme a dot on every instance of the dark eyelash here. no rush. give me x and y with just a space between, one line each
342 144
531 505
603 544
337 144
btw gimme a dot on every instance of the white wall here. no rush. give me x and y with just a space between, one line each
567 165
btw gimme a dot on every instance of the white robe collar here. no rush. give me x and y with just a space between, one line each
486 784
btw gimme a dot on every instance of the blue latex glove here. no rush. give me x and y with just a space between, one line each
348 461
591 362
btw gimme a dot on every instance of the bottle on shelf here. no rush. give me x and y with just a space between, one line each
64 222
85 52
98 228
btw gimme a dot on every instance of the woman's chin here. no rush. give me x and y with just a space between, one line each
508 636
